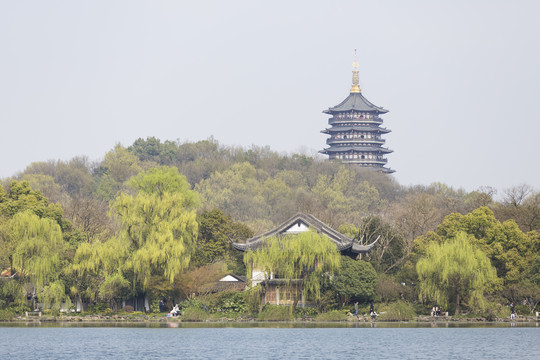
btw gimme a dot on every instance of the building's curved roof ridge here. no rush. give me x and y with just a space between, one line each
355 101
341 241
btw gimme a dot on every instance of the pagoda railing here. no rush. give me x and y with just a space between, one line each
365 161
333 120
331 141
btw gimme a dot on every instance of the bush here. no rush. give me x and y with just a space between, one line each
522 310
128 309
397 311
234 302
275 313
495 312
6 314
334 315
194 314
190 303
19 308
100 308
305 312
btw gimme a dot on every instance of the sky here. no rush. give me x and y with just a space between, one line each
461 79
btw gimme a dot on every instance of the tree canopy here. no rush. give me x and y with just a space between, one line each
456 271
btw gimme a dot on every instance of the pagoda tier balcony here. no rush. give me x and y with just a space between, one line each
369 162
376 130
336 121
353 141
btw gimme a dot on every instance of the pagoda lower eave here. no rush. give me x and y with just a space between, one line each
356 149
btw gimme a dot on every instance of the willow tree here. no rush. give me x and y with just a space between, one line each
159 225
456 271
303 261
38 254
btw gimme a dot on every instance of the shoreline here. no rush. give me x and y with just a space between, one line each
351 321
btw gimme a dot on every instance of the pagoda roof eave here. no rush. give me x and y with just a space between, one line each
338 149
355 102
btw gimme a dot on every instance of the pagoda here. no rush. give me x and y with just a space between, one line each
355 130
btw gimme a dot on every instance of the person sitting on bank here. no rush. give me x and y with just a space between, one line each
373 315
175 311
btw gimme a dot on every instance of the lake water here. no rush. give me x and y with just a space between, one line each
282 341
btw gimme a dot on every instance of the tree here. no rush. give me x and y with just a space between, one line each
510 250
38 253
355 280
303 260
158 224
456 271
215 230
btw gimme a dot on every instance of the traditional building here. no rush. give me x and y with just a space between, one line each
276 291
355 130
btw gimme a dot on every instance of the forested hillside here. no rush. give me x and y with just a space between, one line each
116 223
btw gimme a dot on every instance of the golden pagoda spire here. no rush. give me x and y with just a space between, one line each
355 78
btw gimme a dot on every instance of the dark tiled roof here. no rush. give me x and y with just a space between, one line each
355 101
342 242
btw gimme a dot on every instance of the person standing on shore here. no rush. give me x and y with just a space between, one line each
356 308
512 311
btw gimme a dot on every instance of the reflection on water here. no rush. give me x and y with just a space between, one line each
268 324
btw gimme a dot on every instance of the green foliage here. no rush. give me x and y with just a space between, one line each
456 271
100 308
20 198
194 314
397 311
11 291
306 312
231 302
53 295
39 247
190 303
343 193
115 287
159 225
152 149
510 250
308 256
19 308
215 230
333 315
275 313
6 314
355 280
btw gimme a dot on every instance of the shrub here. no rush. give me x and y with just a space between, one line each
6 314
334 315
305 312
194 314
234 302
190 303
494 312
397 311
275 313
100 308
128 309
19 308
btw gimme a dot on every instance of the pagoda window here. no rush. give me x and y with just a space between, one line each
363 157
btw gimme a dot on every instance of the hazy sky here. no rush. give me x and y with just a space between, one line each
461 79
